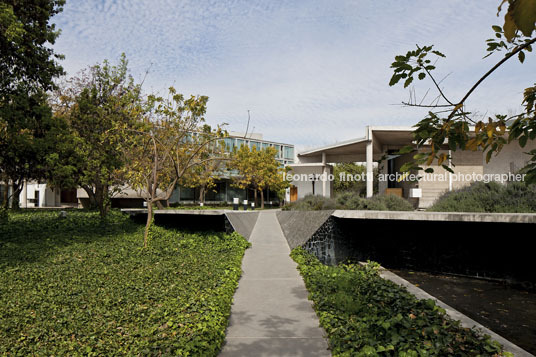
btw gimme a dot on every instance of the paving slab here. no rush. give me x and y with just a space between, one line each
271 315
243 221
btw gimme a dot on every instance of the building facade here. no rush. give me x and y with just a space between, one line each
379 148
36 194
224 192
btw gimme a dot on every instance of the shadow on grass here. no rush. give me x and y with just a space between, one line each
31 235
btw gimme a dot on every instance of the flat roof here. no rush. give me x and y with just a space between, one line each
387 135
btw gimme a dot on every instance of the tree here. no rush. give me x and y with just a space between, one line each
258 169
100 106
167 144
448 122
205 174
26 57
27 70
25 141
354 184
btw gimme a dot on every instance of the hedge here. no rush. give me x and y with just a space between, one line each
515 197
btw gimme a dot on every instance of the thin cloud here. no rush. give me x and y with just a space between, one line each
311 72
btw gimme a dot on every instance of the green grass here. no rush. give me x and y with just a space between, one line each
77 286
365 315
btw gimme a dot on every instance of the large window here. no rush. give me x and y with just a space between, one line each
279 153
288 152
229 144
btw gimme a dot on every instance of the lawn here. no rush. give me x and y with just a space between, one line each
365 315
77 286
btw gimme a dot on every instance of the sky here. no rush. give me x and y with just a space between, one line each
311 73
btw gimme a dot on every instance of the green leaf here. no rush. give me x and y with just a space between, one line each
509 27
422 75
524 15
408 82
394 80
405 150
521 56
523 141
496 28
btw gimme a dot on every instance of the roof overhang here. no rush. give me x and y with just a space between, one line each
355 150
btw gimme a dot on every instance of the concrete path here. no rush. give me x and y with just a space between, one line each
271 315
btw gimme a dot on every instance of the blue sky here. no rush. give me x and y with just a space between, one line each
311 72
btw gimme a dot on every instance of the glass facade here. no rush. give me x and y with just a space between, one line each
288 152
224 191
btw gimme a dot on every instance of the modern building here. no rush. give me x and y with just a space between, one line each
36 194
224 192
384 142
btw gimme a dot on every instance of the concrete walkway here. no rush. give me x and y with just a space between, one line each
271 315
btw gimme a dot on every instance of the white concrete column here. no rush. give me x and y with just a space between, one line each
324 175
450 174
23 198
370 172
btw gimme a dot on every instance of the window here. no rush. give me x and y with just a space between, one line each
229 144
279 153
288 152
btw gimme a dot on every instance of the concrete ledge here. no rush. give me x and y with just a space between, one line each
243 222
455 314
205 212
299 226
439 216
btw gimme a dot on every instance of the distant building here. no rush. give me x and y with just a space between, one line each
36 194
224 192
384 142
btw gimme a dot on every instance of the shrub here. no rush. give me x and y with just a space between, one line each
79 286
515 197
365 315
393 203
312 203
352 201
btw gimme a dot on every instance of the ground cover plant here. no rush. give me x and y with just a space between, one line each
365 315
515 197
80 286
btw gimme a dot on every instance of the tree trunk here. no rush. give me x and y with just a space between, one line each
255 196
202 194
148 223
159 205
262 199
5 198
15 195
91 196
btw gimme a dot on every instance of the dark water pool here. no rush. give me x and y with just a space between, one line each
505 309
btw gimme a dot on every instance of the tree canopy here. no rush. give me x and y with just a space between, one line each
100 105
26 57
169 142
28 67
258 169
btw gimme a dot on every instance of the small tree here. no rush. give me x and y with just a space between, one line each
258 169
204 175
167 144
